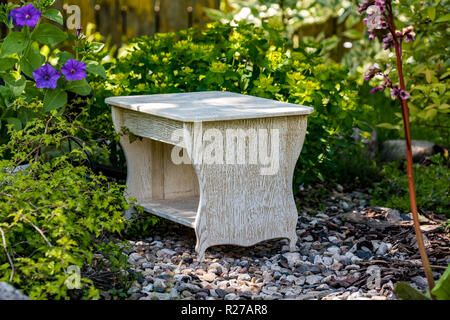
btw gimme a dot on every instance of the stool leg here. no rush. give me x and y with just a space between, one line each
238 204
292 243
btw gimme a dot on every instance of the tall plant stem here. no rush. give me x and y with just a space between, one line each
409 161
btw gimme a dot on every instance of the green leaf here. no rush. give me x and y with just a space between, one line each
215 14
353 34
48 34
7 63
32 61
96 46
428 74
16 123
445 18
442 288
405 292
80 87
431 13
431 113
388 126
16 85
95 68
63 56
54 99
54 15
7 95
15 42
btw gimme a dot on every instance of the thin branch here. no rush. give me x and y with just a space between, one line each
7 254
38 230
412 192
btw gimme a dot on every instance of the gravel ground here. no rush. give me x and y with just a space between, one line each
345 251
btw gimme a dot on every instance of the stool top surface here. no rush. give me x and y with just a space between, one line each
208 106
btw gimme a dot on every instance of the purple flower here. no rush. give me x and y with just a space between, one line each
371 72
371 34
74 70
364 5
25 16
409 33
381 5
388 41
78 31
387 83
46 77
379 88
404 95
395 92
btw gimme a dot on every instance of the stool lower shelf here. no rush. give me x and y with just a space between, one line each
183 210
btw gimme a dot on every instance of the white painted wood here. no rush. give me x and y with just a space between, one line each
182 210
225 203
208 106
238 205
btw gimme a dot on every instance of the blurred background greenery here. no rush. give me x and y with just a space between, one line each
334 24
329 32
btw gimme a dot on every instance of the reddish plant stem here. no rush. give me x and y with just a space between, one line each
409 161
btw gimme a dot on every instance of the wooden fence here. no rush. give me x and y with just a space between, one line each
122 19
130 18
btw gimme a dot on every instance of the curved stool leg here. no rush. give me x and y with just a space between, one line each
239 205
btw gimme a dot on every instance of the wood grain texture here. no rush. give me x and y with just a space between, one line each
238 205
151 174
149 126
208 106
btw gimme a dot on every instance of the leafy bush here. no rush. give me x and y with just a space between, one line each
41 62
425 64
246 60
432 187
55 213
441 290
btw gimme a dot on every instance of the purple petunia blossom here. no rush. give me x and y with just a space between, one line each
46 77
74 70
25 16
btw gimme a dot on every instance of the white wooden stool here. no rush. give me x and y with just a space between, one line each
219 162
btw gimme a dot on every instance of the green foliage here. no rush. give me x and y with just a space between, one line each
425 64
432 187
23 50
356 169
55 213
247 60
441 290
142 223
406 292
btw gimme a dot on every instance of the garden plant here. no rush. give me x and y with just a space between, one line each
63 231
380 22
54 212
